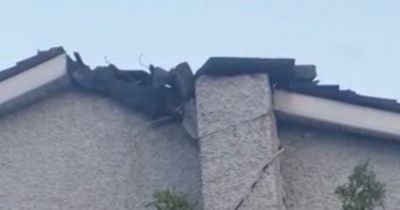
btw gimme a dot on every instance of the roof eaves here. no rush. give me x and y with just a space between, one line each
348 96
28 63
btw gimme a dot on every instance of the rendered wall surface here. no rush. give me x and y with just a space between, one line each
316 161
81 151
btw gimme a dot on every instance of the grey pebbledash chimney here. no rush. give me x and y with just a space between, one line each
238 143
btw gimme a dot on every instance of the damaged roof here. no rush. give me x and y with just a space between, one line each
285 75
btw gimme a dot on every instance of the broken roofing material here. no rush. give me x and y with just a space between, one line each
158 94
161 93
177 86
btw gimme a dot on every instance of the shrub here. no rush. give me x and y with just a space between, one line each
363 191
171 200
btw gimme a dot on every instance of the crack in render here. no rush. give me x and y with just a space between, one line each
260 175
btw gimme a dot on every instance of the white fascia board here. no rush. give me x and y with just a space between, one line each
33 78
337 113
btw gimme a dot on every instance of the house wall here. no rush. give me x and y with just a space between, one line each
83 151
316 161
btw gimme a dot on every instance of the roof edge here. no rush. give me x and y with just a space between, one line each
350 117
28 63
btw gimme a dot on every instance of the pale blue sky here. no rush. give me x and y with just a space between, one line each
354 43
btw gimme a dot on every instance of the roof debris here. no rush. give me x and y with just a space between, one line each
162 93
158 94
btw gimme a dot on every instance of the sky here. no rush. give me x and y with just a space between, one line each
354 43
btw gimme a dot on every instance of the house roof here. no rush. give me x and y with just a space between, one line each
286 75
283 72
28 63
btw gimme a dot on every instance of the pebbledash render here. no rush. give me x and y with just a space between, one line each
246 133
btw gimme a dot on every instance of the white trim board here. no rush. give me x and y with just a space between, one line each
338 113
33 78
